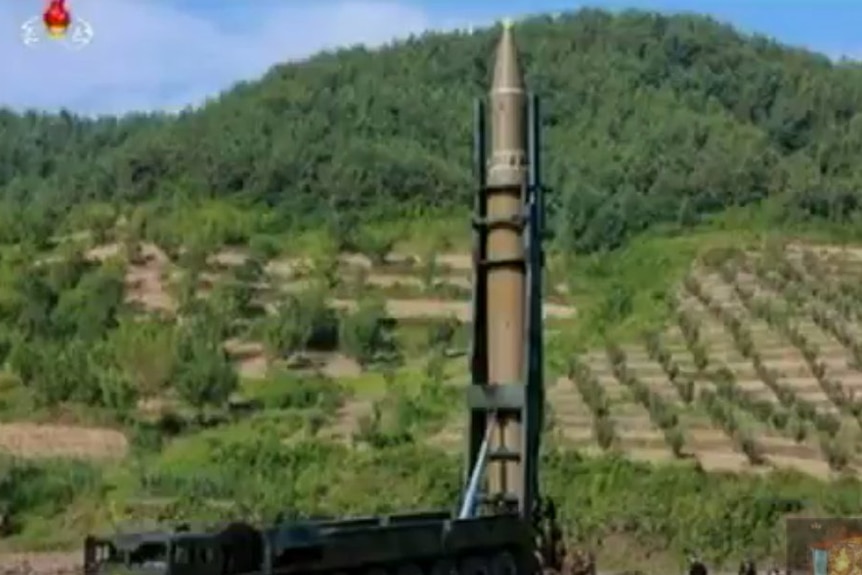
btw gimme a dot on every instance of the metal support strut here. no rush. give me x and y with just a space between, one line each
468 507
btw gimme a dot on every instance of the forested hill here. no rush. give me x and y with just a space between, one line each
651 119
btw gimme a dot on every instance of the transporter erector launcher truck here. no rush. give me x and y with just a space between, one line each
501 527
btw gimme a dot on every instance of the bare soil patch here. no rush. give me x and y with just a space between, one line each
843 251
253 367
435 308
56 563
33 440
101 253
454 261
340 366
147 279
349 418
396 280
815 467
249 358
144 284
723 461
450 438
649 455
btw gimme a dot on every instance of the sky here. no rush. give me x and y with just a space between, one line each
164 55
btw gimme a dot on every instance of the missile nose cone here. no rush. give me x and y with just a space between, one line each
507 65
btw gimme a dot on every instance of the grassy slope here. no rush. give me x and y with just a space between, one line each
673 507
650 265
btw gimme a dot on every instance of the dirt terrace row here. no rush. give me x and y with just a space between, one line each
36 440
53 563
710 446
148 285
149 275
641 439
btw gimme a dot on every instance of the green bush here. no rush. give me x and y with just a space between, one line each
365 334
42 488
284 390
301 321
266 475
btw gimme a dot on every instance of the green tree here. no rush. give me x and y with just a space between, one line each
691 118
57 372
90 309
114 386
441 333
376 242
300 321
203 374
364 333
142 351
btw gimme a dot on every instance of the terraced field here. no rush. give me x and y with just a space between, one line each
760 370
413 290
760 366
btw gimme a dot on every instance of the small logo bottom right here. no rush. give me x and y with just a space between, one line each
841 557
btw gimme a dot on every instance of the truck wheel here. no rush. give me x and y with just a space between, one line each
504 563
444 567
475 566
409 569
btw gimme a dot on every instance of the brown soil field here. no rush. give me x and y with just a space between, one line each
61 563
36 440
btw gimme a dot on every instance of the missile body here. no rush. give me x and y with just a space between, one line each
506 175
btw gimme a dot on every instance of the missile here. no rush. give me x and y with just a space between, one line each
506 174
507 163
506 395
